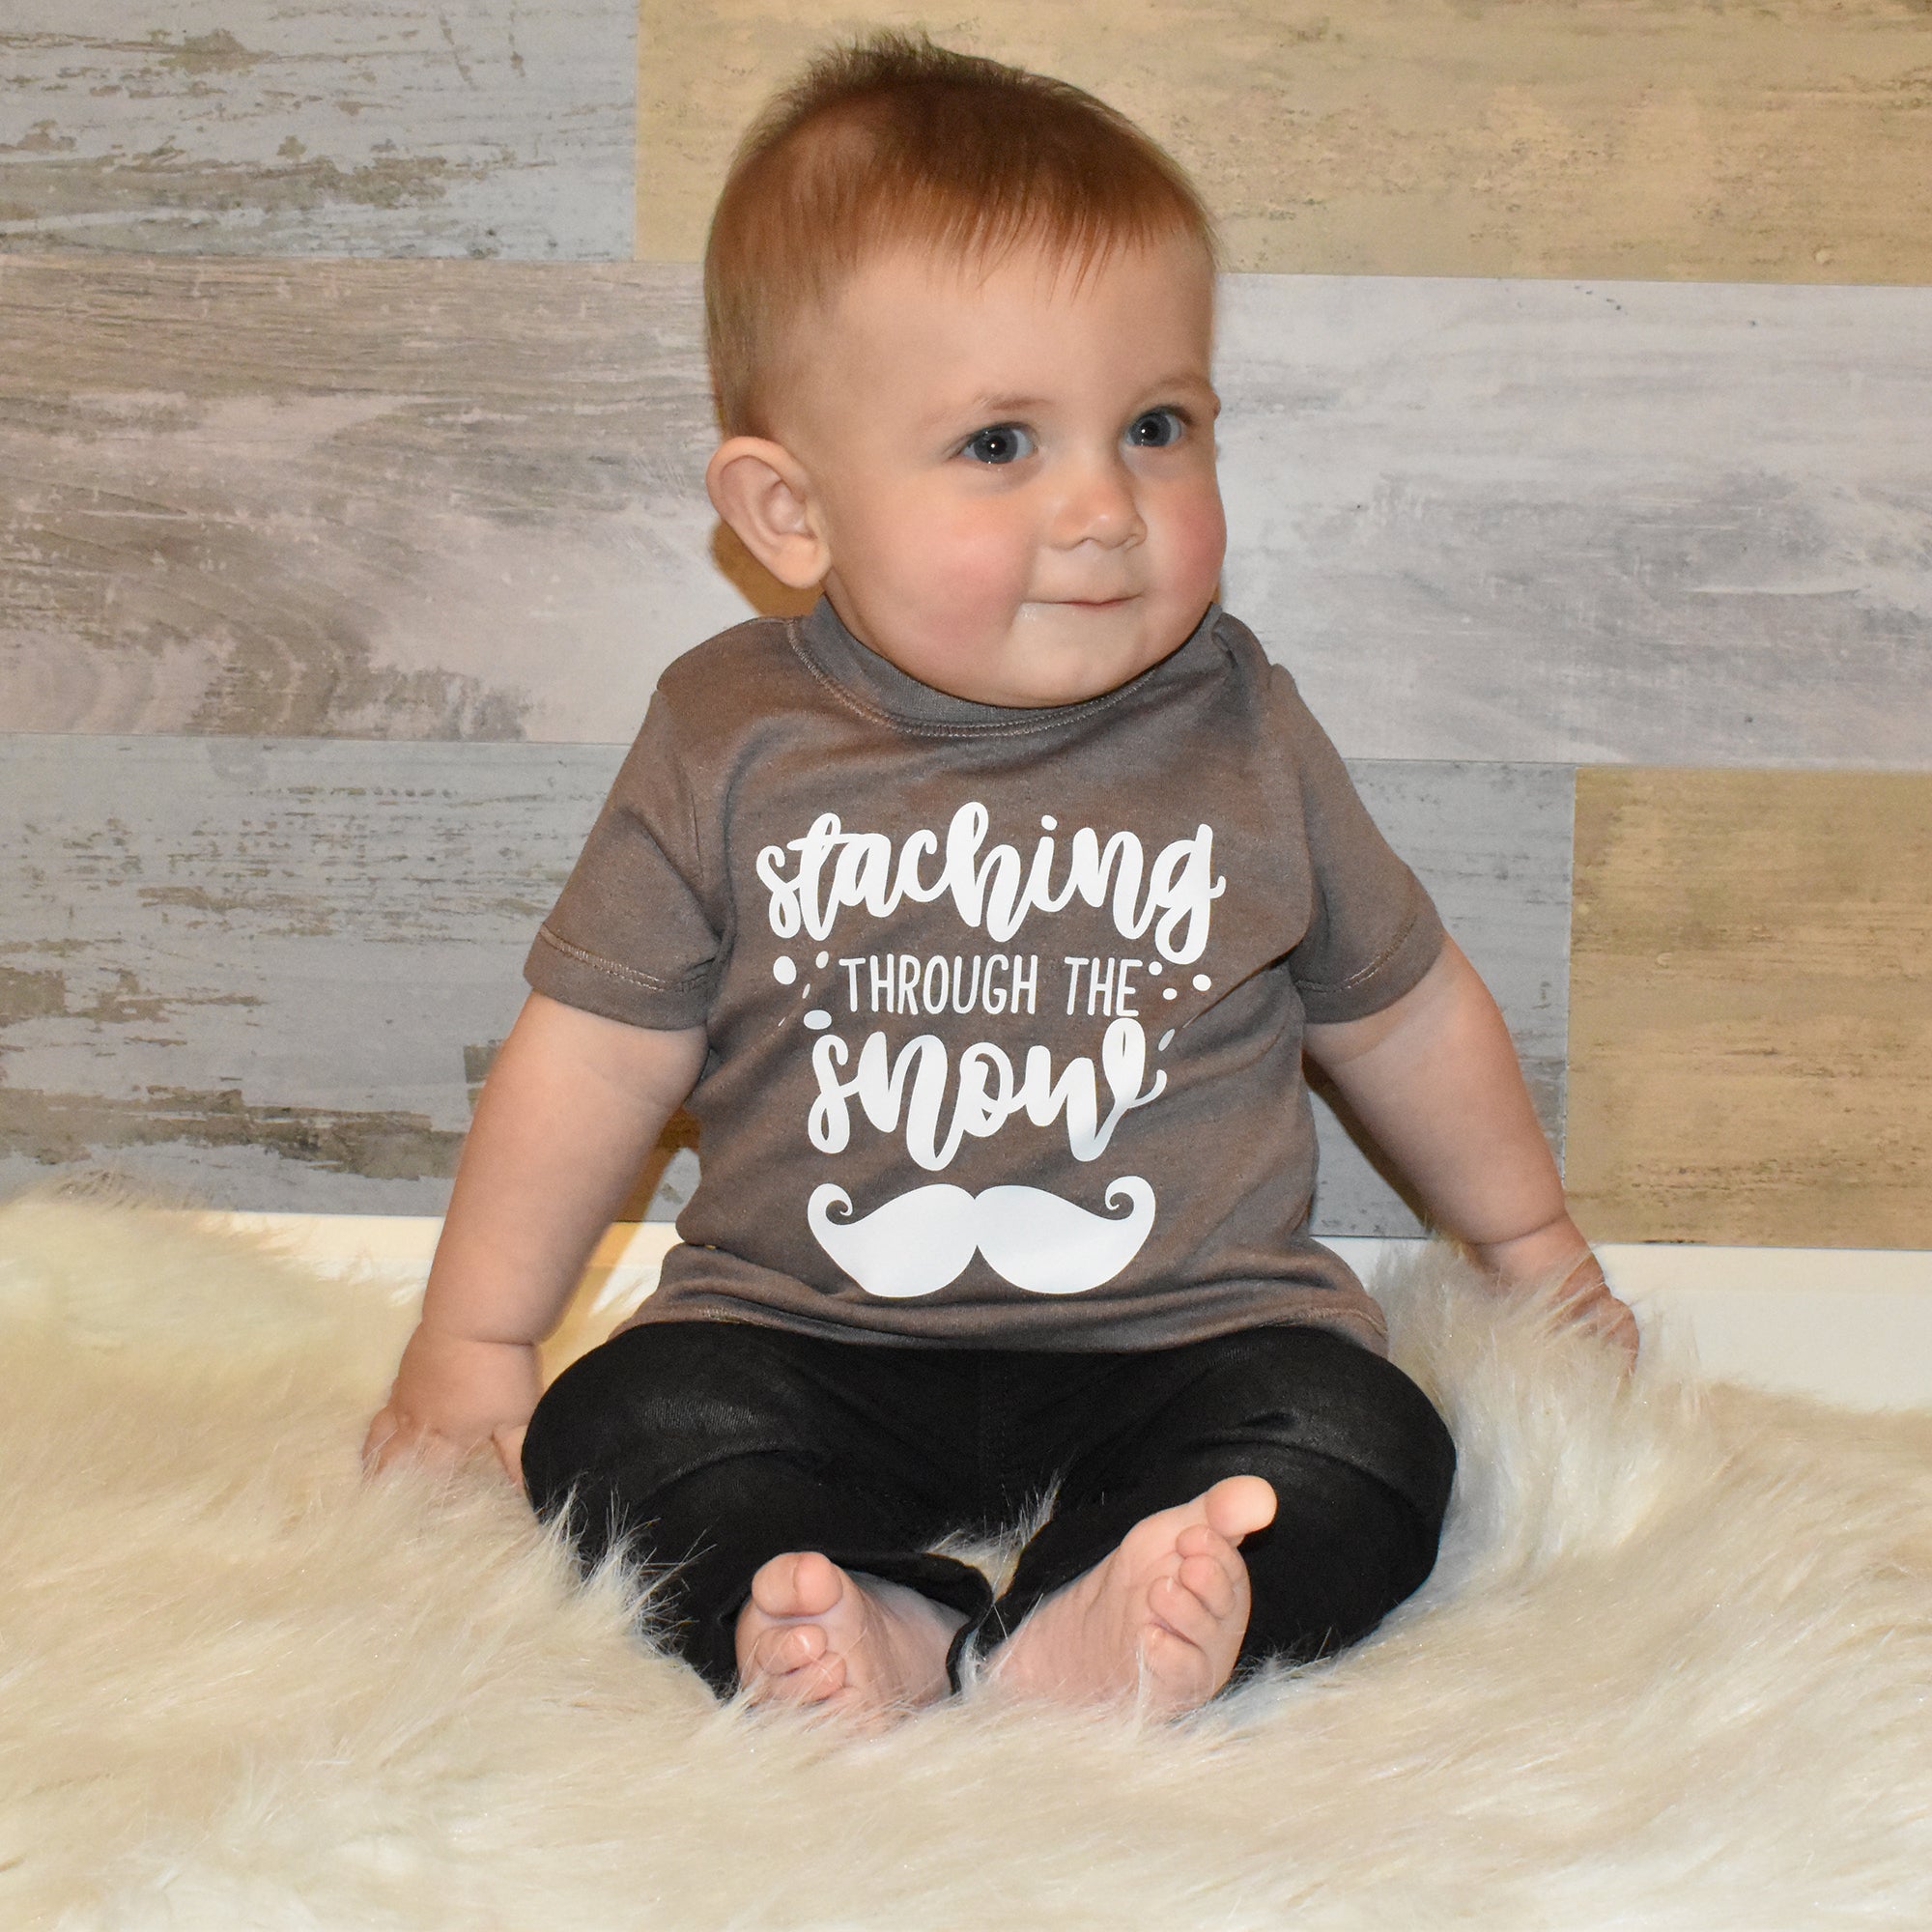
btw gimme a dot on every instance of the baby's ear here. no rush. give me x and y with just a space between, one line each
763 491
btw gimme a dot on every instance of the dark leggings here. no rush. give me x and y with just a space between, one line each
705 1448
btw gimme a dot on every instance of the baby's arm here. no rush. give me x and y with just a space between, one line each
571 1107
1435 1079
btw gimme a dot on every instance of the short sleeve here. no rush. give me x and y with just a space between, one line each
1373 930
633 936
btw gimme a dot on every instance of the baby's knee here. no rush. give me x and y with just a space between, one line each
649 1406
1307 1392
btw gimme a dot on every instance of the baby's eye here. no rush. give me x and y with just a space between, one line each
999 443
1156 430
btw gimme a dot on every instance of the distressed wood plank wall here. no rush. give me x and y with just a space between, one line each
381 499
271 970
1664 524
1489 520
1628 512
1710 140
1767 936
319 126
1491 842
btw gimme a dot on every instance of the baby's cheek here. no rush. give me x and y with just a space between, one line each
1199 543
982 576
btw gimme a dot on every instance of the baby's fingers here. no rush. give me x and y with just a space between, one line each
376 1441
1617 1321
1590 1304
393 1437
509 1444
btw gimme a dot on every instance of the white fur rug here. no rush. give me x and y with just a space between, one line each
1674 1668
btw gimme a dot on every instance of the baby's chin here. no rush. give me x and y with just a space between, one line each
1068 652
1044 654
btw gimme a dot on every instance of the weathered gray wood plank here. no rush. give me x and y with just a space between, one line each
267 971
1480 519
1634 522
272 972
1493 844
319 126
386 499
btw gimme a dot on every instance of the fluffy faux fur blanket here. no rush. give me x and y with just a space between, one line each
1674 1668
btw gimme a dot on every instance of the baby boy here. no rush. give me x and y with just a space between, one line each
982 918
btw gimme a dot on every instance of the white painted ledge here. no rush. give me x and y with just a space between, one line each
1851 1324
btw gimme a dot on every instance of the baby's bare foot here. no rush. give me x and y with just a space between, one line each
1163 1617
813 1633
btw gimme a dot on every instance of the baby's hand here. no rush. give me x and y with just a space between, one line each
1589 1303
1584 1296
452 1394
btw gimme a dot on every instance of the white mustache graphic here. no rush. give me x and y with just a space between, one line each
921 1241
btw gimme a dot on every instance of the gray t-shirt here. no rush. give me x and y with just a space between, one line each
1004 1007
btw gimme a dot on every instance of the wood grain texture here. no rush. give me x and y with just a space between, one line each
319 126
1586 523
390 500
267 972
1752 1008
1511 521
1491 842
273 972
1732 140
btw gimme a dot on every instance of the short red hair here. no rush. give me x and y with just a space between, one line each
892 141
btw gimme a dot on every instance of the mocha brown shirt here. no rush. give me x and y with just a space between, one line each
1004 1007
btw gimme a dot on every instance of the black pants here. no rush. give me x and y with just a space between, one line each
709 1447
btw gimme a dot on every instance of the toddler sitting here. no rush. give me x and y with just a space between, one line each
982 918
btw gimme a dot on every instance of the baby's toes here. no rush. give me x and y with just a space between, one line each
1179 1610
772 1590
1177 1663
1198 1544
800 1583
1237 1506
1210 1581
795 1673
1199 1540
777 1653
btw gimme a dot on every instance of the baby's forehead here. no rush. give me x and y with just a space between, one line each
918 331
938 274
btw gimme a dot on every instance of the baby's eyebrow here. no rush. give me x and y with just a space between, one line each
991 406
1183 381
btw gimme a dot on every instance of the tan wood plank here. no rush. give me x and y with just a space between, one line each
1750 1007
1736 140
317 126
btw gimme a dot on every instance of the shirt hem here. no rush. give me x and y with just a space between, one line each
1138 1332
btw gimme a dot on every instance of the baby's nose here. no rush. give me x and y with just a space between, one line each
1100 507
